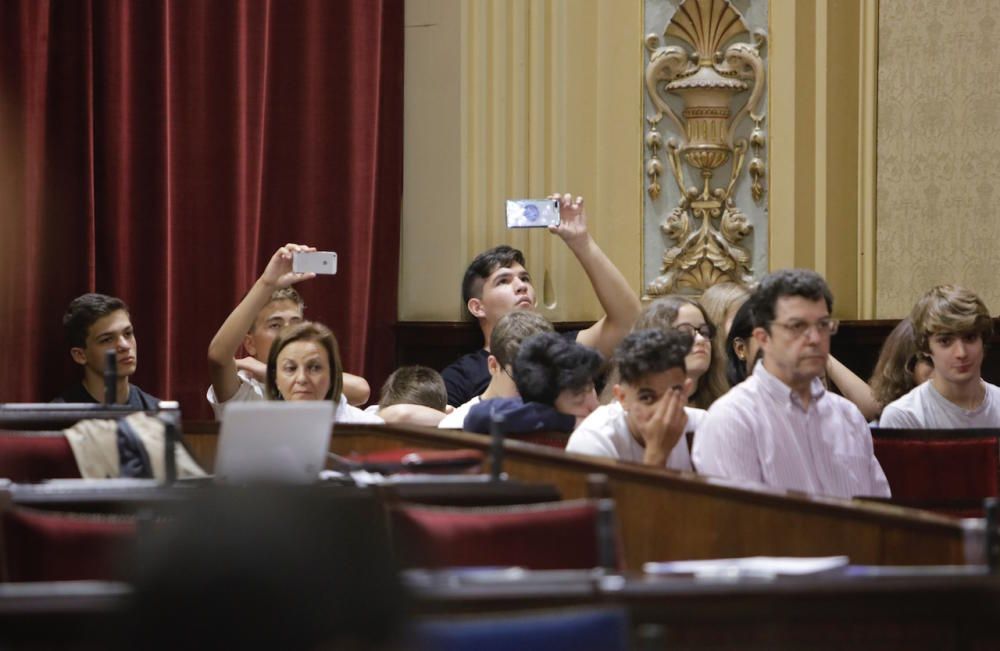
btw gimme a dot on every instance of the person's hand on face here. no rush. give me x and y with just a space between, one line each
278 272
664 428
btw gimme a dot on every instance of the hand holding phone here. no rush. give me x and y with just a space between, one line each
317 262
532 213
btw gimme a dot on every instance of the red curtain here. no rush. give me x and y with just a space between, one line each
160 151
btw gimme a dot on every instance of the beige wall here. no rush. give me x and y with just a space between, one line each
938 145
517 98
821 135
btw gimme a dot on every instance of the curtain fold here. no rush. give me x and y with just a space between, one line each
162 150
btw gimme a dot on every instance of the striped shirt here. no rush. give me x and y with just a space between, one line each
760 432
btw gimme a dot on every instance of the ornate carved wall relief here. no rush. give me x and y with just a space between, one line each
706 75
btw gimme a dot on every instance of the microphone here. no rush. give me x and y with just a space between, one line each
110 377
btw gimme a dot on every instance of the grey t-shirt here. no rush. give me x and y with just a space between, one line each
925 408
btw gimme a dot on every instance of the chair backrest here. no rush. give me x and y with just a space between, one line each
605 629
47 546
573 534
34 456
557 440
947 471
423 461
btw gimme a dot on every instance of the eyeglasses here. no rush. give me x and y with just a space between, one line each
799 328
705 330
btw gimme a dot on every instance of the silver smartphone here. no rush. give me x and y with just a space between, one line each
532 213
317 262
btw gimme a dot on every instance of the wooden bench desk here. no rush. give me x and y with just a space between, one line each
667 515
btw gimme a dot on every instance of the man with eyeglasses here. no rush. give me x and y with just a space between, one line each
781 427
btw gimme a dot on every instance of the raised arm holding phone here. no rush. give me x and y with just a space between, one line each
270 305
497 282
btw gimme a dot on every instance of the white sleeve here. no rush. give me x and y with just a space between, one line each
587 439
247 392
893 416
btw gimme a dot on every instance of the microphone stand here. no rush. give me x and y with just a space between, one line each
110 378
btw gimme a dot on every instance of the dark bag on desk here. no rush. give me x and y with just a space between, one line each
132 453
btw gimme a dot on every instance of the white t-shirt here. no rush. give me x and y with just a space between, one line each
605 433
251 389
925 408
456 419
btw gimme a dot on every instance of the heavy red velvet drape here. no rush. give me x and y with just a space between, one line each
161 150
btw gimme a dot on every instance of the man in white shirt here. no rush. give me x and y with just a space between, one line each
951 325
505 341
270 305
649 416
781 427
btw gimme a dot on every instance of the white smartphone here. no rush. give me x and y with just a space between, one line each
317 262
532 213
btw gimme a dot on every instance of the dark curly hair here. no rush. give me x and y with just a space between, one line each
548 364
787 282
651 351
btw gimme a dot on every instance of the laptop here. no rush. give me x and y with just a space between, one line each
274 441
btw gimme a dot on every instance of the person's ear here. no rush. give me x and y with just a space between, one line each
492 365
761 335
476 309
78 356
740 348
248 345
618 392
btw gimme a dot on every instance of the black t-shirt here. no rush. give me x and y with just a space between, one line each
137 398
468 376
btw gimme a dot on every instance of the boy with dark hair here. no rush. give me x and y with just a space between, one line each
497 282
505 341
270 305
951 326
649 416
96 324
781 427
555 382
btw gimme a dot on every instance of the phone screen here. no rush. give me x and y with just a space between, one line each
532 213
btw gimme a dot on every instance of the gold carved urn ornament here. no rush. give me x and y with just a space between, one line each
707 80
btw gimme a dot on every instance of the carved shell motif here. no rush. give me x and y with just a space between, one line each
706 25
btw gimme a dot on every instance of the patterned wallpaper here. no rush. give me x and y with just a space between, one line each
938 150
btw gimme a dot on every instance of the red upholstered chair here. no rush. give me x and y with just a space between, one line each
574 534
556 440
35 456
413 460
48 546
949 471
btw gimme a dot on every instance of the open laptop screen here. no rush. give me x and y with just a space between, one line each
274 441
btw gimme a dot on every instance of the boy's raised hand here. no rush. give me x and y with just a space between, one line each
278 272
572 226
